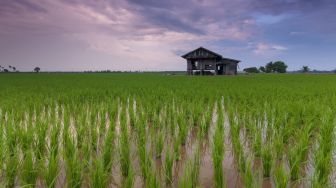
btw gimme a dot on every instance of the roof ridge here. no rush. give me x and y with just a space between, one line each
201 47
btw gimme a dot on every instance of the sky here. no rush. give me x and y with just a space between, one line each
151 35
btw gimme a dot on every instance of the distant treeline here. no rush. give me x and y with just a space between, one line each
281 67
109 71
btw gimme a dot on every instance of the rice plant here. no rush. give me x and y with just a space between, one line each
99 176
124 144
108 149
29 171
74 166
250 178
281 177
51 171
159 142
128 182
168 166
11 168
218 156
191 171
267 160
323 160
176 147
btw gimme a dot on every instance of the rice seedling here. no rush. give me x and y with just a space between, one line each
251 179
168 166
99 176
159 142
323 160
129 180
108 149
29 171
218 155
144 157
191 171
298 153
152 180
267 160
11 168
186 181
294 163
177 146
257 142
74 165
125 158
51 171
278 144
281 177
183 130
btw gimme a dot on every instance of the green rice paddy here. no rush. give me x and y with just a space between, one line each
156 130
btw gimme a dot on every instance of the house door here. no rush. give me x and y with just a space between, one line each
220 69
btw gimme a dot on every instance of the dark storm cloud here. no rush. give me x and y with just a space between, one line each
193 16
20 5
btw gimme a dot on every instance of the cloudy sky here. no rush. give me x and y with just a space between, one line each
76 35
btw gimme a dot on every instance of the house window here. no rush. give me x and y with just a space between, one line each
208 67
196 63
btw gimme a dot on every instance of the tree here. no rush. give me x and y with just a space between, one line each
305 69
279 67
269 67
37 69
251 70
262 69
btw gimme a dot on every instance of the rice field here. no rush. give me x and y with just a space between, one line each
155 130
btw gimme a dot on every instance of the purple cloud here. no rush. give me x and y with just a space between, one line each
130 31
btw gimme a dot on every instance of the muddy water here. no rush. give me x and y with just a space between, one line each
206 169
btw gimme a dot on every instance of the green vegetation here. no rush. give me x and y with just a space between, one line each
218 150
252 70
153 130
